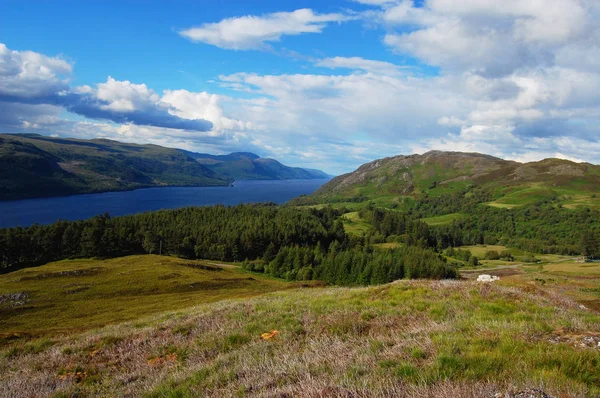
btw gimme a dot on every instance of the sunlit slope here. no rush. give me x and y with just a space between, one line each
38 166
81 294
434 173
406 339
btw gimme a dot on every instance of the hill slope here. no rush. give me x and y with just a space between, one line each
406 339
436 172
39 166
249 166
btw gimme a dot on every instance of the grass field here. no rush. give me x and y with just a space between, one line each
355 225
441 220
68 296
573 267
406 339
388 245
480 250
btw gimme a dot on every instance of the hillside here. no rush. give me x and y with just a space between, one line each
435 173
514 338
55 297
39 166
249 166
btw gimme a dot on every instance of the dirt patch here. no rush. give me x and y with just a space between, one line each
593 305
169 276
203 267
576 339
77 290
216 284
61 274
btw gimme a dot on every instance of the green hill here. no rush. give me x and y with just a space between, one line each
389 181
39 166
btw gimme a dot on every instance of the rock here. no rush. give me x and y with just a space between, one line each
14 299
590 341
487 278
531 393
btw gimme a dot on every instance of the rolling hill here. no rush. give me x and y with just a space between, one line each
39 166
435 173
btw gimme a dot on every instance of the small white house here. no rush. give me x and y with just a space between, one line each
487 278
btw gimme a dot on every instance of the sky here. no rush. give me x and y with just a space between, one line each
322 84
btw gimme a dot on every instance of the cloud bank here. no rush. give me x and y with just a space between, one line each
33 79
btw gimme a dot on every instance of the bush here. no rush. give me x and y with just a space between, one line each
506 255
492 255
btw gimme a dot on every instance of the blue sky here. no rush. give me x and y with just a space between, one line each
329 85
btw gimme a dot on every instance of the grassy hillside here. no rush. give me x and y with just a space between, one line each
396 181
74 295
38 166
405 339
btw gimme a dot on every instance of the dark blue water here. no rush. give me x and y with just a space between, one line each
78 207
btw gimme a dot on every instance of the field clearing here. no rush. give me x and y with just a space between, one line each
355 225
83 294
573 202
480 250
405 339
388 245
441 220
573 267
502 205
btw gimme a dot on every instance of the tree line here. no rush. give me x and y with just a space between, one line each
285 242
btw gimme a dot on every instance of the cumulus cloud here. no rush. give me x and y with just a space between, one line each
191 105
254 32
361 64
126 102
26 74
488 37
30 78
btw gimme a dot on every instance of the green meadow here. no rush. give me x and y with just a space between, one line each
74 295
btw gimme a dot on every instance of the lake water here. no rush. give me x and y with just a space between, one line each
77 207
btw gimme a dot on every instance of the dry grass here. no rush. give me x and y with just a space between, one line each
406 339
76 295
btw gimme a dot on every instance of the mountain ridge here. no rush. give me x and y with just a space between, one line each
33 165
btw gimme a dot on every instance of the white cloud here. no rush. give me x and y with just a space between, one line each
124 96
490 37
361 64
190 105
254 32
26 74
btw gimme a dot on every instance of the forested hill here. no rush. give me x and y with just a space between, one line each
392 181
249 166
39 166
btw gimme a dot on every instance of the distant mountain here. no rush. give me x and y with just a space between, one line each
39 166
512 183
249 166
